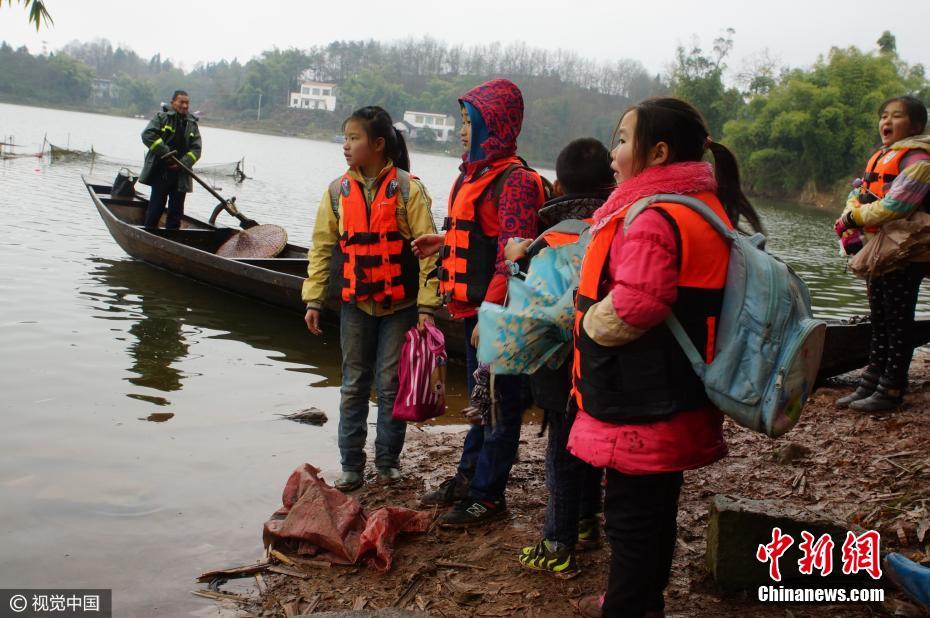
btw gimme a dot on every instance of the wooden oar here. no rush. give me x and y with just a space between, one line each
229 205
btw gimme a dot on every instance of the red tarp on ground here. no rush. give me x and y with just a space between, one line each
320 521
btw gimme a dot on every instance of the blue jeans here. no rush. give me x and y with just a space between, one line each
489 452
163 192
370 354
574 485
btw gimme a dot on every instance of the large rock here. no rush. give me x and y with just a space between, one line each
737 526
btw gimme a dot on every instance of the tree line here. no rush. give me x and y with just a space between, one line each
566 95
797 131
792 129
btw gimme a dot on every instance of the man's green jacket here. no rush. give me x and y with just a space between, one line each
169 131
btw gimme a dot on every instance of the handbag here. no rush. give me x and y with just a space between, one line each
896 243
421 389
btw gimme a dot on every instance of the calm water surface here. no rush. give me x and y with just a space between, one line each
141 444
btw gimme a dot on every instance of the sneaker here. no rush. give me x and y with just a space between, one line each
388 474
471 512
589 534
882 400
556 558
861 392
349 481
868 382
448 493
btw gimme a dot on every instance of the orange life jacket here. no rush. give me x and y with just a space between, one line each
555 237
651 378
377 261
469 253
883 167
562 233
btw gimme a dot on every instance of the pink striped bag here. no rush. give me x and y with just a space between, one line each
421 392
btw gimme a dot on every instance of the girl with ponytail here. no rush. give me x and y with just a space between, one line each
642 411
367 220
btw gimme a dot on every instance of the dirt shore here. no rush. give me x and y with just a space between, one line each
870 470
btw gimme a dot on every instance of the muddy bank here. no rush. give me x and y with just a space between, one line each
870 470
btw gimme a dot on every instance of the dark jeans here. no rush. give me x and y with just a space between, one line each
641 514
162 193
574 486
489 451
892 301
370 354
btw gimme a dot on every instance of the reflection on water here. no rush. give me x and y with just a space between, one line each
163 306
158 401
158 417
159 342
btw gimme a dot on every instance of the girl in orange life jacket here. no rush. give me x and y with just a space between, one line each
495 198
372 213
642 411
895 184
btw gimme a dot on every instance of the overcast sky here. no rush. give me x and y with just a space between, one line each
796 32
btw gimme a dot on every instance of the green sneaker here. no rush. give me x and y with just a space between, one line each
589 534
556 558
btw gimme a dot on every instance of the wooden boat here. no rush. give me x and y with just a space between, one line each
191 250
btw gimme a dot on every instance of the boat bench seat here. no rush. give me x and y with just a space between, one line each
290 266
205 240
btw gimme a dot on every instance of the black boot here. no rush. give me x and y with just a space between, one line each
884 399
868 382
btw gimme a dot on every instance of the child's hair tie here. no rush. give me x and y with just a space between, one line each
707 142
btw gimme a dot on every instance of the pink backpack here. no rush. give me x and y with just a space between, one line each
421 392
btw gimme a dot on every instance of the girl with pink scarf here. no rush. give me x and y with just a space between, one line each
647 446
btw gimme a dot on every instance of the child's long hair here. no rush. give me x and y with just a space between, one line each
377 123
681 126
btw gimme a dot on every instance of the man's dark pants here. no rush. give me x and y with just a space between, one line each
163 191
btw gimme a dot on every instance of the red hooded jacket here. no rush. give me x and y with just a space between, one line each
500 104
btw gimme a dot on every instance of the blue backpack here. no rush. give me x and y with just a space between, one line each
768 344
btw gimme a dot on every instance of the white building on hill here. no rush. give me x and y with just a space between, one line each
314 95
443 125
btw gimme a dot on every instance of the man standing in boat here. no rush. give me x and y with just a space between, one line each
173 132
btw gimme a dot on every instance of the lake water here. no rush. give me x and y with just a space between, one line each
141 444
